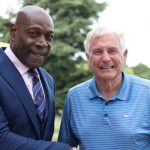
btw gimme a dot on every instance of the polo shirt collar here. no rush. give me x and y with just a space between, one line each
93 91
122 93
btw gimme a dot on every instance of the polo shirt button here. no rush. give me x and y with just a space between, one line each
105 115
106 103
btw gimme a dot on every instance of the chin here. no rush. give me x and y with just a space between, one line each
106 77
34 65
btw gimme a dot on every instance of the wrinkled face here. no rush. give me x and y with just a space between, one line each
105 57
31 40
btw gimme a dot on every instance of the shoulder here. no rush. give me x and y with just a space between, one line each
138 81
81 87
43 73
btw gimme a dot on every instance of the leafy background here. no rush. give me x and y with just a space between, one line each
72 19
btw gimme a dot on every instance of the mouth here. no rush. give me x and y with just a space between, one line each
37 56
107 67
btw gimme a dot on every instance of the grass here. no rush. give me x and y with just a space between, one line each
57 126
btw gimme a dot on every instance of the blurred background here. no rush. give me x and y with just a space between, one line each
73 19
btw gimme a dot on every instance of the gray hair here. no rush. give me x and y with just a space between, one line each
100 31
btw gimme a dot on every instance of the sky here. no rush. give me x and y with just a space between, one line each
133 18
130 16
6 5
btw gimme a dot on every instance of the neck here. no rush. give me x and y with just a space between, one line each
109 88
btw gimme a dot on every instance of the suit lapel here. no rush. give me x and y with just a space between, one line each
13 77
50 113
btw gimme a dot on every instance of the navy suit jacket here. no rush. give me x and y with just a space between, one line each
20 128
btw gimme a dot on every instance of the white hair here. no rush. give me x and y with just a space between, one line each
100 31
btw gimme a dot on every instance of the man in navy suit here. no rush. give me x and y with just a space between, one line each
31 41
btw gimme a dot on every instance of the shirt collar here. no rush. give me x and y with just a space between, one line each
93 91
18 64
122 93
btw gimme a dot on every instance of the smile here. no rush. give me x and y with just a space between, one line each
106 67
37 54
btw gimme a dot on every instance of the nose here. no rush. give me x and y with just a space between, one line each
42 41
105 56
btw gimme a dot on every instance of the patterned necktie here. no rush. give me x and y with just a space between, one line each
38 94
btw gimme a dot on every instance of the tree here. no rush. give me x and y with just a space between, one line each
142 70
4 26
128 70
72 21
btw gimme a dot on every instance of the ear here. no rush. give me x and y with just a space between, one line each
125 55
12 29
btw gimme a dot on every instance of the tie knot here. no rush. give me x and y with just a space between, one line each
33 72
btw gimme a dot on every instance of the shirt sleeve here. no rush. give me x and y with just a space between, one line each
12 141
66 133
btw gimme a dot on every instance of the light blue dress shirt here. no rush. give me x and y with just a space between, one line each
122 123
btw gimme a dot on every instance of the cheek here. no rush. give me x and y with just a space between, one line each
121 64
48 52
92 58
95 61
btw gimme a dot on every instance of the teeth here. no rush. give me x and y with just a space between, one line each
105 67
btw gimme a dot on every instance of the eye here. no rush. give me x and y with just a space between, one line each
33 33
49 37
97 51
112 50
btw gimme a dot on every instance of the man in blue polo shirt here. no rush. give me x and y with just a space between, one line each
111 111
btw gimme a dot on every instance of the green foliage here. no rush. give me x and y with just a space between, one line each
128 70
4 26
142 70
57 126
72 20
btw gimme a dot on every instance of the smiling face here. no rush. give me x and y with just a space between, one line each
32 36
105 57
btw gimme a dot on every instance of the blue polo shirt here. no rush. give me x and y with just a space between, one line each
122 123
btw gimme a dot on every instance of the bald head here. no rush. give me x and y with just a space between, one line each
32 12
31 9
32 35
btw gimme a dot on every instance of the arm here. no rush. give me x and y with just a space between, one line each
66 133
12 141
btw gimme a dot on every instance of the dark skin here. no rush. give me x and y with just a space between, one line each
32 36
